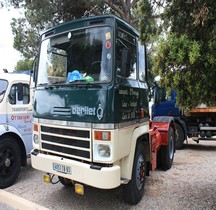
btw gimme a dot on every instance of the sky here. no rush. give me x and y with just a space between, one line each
8 55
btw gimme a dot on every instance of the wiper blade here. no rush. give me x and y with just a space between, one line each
59 83
42 84
45 85
2 92
75 82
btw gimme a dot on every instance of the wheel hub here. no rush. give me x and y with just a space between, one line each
7 162
140 173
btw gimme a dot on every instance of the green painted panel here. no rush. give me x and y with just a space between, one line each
74 104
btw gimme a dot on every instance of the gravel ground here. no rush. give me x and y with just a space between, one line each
189 184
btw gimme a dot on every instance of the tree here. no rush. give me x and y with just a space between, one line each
24 65
39 14
185 56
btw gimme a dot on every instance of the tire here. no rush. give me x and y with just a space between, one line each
65 182
10 161
180 137
132 192
167 152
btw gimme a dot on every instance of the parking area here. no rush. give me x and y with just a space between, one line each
189 184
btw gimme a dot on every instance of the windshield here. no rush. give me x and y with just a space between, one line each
76 56
3 87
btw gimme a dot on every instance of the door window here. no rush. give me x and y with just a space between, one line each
127 41
14 92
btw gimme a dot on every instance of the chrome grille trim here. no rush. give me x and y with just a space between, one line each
64 123
61 111
66 141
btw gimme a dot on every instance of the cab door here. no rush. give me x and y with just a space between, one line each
127 89
19 112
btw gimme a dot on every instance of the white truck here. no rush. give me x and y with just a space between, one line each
15 125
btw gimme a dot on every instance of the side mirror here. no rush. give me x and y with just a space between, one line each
157 99
156 95
125 62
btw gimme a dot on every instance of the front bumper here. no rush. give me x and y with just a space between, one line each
103 178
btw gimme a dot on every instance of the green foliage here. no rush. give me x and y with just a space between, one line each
146 25
24 65
185 56
181 37
26 40
41 14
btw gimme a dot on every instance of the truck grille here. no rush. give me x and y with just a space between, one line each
68 142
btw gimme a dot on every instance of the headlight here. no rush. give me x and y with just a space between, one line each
102 152
35 139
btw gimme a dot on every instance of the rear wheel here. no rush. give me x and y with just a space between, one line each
180 137
10 161
167 152
133 191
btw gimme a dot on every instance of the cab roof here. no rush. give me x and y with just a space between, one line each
89 21
15 77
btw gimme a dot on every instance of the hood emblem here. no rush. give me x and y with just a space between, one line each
99 112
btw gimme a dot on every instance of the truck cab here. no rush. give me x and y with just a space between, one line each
15 125
164 103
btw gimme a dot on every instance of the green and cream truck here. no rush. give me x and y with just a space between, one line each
90 111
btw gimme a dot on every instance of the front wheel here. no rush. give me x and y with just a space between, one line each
167 152
10 161
134 190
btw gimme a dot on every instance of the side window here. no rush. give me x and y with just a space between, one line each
164 95
13 95
127 41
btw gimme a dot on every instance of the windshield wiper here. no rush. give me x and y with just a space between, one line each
81 83
42 84
2 92
45 85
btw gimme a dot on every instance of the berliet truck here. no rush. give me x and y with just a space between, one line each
15 125
90 111
198 123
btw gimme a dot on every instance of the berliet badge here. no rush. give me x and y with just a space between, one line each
99 112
